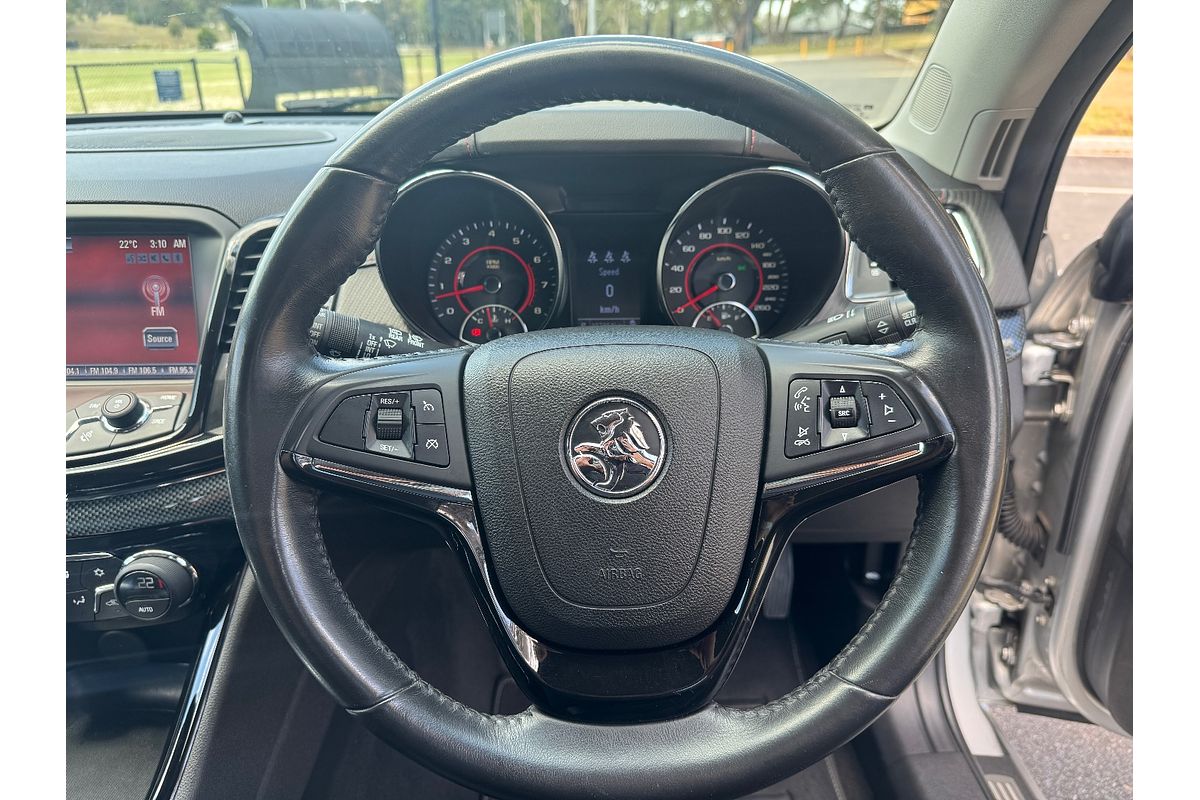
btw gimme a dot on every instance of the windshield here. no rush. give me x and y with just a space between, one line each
170 56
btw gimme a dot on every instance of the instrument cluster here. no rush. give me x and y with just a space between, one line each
468 257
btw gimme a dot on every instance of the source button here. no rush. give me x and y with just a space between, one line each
160 338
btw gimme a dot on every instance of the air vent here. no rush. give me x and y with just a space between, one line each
246 259
931 99
1000 152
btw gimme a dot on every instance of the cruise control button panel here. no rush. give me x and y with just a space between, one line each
828 413
402 423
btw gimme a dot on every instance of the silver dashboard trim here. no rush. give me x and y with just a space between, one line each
342 472
842 470
965 229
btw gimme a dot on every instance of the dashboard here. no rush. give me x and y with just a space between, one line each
468 257
598 214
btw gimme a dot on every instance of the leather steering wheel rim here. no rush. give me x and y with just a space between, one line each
715 752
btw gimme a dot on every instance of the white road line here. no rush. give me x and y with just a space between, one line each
1094 189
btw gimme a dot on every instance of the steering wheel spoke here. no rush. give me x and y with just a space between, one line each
845 420
392 429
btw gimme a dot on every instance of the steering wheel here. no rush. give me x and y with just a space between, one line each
619 497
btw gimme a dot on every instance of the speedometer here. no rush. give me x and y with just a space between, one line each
492 263
724 260
754 253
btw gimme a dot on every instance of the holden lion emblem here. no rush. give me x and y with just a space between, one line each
615 447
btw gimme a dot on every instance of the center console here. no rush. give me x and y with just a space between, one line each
151 555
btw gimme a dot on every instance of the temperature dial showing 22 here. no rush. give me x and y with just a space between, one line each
491 322
491 263
724 261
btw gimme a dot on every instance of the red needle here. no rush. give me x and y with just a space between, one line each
458 292
698 298
488 310
716 320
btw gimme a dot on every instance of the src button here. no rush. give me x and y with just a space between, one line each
843 412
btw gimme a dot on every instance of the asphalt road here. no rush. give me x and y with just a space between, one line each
1091 188
870 86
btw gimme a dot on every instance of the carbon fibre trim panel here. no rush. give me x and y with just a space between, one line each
1012 333
199 499
1007 284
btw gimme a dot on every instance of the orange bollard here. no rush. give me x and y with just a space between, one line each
804 47
831 46
858 45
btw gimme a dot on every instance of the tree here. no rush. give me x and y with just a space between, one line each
175 27
579 15
206 39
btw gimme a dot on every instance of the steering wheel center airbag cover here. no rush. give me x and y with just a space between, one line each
651 568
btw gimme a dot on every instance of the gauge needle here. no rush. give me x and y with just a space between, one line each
716 320
491 322
698 298
458 292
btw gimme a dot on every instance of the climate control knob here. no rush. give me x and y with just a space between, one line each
153 582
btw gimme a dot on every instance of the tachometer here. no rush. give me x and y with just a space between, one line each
490 263
724 260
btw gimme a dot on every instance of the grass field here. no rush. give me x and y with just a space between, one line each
116 30
1111 111
849 46
122 80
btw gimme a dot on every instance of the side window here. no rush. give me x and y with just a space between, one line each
1097 175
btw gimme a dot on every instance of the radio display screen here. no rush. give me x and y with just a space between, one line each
131 311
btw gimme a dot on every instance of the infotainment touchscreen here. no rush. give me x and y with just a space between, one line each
131 312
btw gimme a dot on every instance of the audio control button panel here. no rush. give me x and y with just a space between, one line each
828 413
122 417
